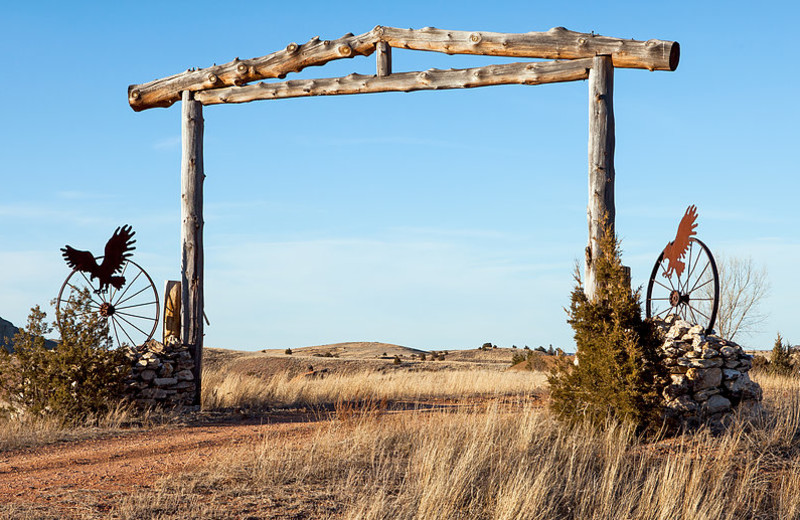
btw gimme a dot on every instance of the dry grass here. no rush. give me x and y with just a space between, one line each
224 389
496 464
27 431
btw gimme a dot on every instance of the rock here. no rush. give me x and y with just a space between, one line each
705 363
185 375
165 381
728 374
696 330
732 363
728 352
683 404
704 378
703 395
709 353
153 393
166 370
154 346
147 375
751 391
716 404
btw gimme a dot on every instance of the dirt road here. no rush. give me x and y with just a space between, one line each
89 473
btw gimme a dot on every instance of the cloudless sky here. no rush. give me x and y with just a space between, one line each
430 219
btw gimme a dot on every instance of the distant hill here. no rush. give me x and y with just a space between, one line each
7 330
352 350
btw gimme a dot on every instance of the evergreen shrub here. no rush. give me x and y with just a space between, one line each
82 376
618 376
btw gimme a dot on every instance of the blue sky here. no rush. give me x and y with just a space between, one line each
430 219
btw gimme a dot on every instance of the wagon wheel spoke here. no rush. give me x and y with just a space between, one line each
669 278
662 285
119 314
113 289
710 280
116 334
128 286
129 298
134 316
136 305
133 343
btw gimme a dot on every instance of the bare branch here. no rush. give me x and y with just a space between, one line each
742 286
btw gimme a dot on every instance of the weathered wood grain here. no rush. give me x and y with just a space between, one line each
557 43
532 73
192 176
601 207
383 58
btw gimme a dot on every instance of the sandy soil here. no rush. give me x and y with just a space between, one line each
91 474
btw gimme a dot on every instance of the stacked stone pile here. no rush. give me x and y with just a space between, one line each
709 376
161 374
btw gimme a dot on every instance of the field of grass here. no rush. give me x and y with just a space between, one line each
494 462
473 444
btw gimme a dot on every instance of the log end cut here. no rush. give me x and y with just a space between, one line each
674 55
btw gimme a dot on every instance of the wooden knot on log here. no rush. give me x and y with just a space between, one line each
212 78
291 48
345 50
475 37
581 41
135 95
241 68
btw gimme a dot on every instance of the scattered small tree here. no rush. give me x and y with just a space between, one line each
618 375
422 357
288 352
780 361
397 360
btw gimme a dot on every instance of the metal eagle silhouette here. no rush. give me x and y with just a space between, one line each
118 250
676 249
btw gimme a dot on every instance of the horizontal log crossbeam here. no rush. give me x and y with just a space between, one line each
535 73
557 43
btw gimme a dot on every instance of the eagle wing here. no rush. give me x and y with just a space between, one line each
80 260
118 249
685 232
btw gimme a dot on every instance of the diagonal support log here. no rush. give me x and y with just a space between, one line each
535 73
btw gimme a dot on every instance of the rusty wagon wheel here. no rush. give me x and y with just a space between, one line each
694 296
132 311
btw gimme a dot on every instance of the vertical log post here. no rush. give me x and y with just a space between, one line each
601 162
192 176
383 56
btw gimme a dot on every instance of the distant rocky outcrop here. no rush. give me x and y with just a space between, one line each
7 332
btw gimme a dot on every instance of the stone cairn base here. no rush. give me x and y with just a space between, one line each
710 380
161 375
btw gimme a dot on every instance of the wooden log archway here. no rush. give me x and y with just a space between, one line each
578 56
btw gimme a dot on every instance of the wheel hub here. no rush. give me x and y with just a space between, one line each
107 310
676 298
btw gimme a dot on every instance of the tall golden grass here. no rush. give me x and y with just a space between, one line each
487 463
223 389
